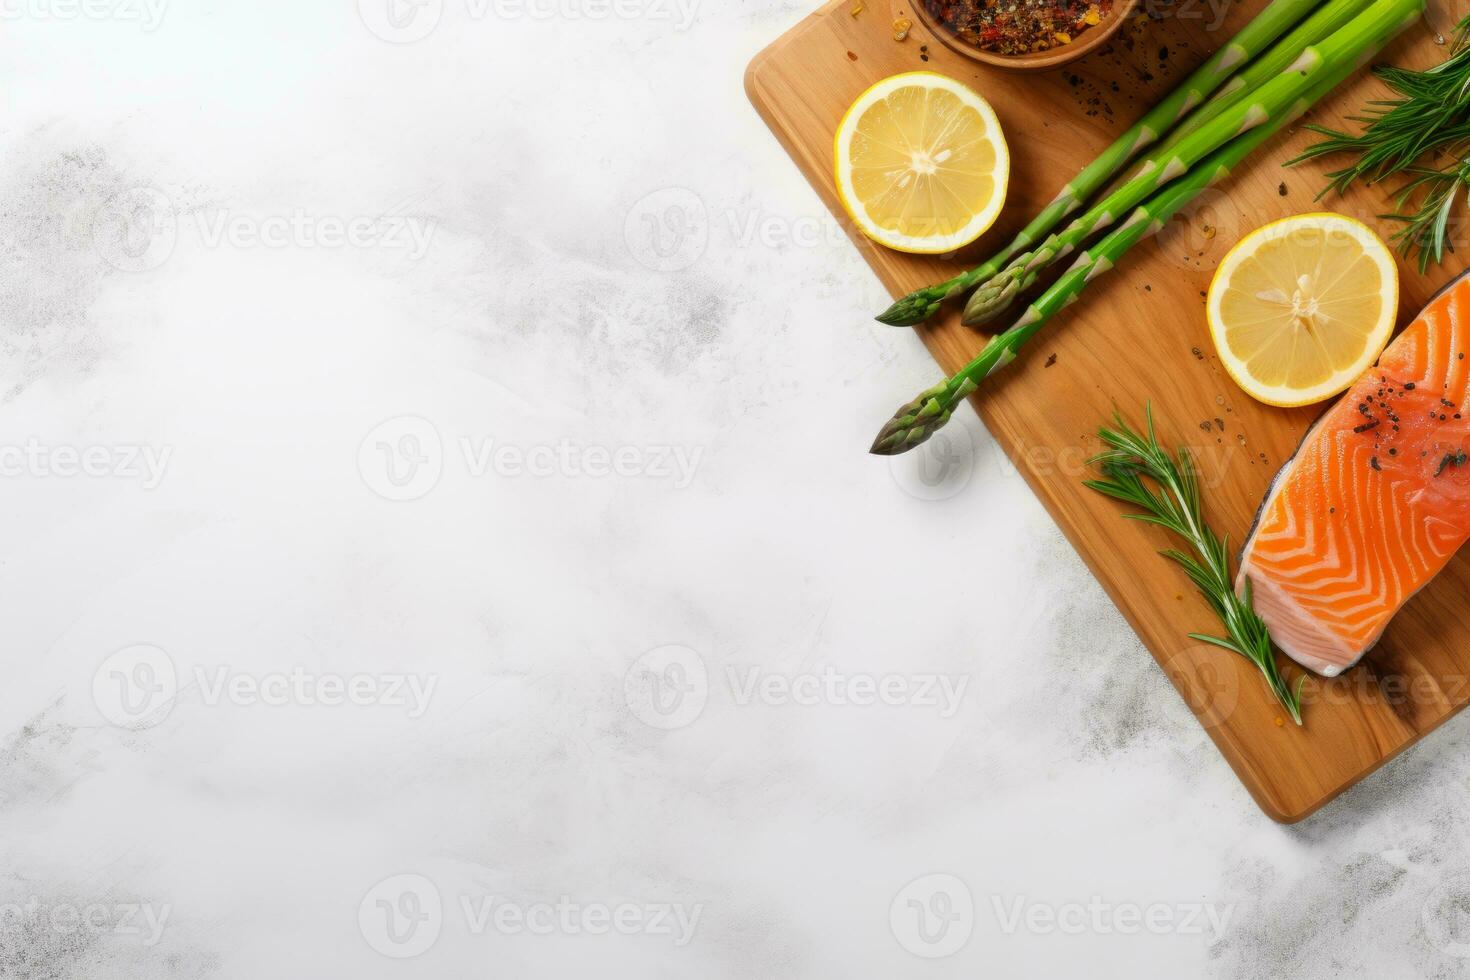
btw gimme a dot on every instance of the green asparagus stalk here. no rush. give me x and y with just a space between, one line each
915 422
1384 19
1273 22
1331 18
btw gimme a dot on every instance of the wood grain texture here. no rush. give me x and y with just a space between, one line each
1140 334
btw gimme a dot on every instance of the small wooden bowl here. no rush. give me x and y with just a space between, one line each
1088 41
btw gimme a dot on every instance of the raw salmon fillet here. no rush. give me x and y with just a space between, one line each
1376 501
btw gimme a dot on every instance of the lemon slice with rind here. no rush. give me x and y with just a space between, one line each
921 163
1301 308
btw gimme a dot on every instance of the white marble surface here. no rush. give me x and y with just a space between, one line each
255 255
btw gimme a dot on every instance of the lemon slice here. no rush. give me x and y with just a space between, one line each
1301 308
921 163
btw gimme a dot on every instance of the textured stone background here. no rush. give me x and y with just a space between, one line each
334 282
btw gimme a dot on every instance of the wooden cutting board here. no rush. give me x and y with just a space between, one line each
1140 335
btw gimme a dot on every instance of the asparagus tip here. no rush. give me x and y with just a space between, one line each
896 439
893 438
992 299
907 312
914 422
885 446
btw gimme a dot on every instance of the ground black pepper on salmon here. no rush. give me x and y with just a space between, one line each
1019 26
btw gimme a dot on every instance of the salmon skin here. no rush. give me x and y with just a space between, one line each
1376 500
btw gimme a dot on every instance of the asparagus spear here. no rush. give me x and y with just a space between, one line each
1274 21
1320 25
1344 46
916 421
919 419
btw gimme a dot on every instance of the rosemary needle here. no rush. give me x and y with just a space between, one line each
1427 230
1431 118
1131 458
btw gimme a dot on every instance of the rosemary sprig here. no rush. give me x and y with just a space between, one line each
1427 230
1431 118
1396 132
1129 459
